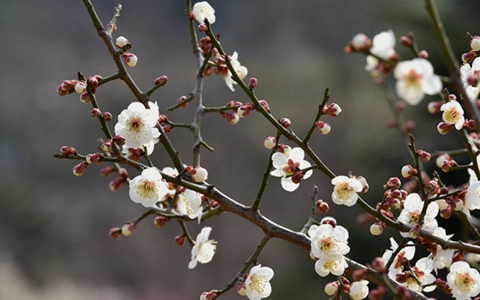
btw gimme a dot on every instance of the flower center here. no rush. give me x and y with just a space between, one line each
414 217
258 283
148 189
343 190
464 281
452 115
413 78
135 124
291 168
326 244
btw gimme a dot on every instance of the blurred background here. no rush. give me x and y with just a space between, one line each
54 241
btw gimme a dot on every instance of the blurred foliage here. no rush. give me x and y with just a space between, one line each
55 226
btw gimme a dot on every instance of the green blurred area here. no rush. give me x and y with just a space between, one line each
54 241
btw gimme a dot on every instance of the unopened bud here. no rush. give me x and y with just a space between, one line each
179 240
160 221
105 172
130 59
361 42
162 80
107 116
198 173
434 107
286 123
80 87
85 98
119 140
475 43
323 128
79 169
95 112
121 42
405 41
270 142
408 171
423 54
93 158
322 206
333 110
252 83
115 232
128 229
424 155
393 183
264 104
377 228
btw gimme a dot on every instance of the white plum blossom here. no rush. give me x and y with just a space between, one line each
345 190
328 243
383 45
241 71
453 114
137 125
410 215
415 78
287 165
463 280
472 198
407 253
466 72
148 188
257 284
441 258
423 271
203 10
189 203
336 267
359 290
204 249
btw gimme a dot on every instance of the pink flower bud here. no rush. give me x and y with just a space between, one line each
285 149
329 220
92 82
232 117
85 98
160 221
105 172
361 42
252 83
68 85
80 87
107 146
270 142
423 54
179 240
378 264
130 59
323 128
286 123
444 128
79 169
93 158
116 184
377 228
322 206
406 42
95 112
409 172
119 140
128 229
424 155
245 110
475 43
333 110
393 183
447 165
121 42
107 116
468 57
162 80
123 173
434 107
208 295
202 28
198 174
115 232
264 104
